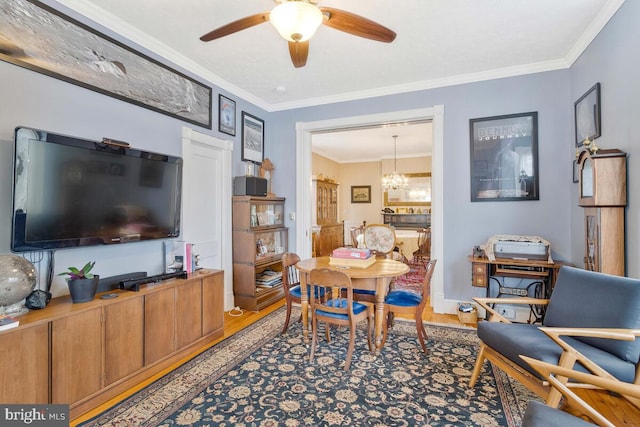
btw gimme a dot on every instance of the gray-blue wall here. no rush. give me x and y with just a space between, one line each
35 100
467 224
31 99
613 59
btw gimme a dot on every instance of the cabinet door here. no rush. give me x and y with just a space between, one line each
124 337
24 371
188 313
76 356
159 325
592 246
212 304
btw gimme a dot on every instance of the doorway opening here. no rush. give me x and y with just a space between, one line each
304 204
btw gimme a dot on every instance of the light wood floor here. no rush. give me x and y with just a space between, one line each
616 409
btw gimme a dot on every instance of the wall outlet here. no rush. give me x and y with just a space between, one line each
508 313
292 216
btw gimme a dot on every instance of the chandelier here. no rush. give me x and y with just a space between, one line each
395 181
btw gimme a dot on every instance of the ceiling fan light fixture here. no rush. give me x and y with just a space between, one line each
296 21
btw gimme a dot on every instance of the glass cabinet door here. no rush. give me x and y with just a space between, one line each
267 214
270 244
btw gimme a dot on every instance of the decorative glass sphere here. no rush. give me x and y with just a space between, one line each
17 280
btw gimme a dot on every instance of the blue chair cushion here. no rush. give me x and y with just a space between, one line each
341 303
587 299
364 292
540 415
296 292
359 291
514 339
403 298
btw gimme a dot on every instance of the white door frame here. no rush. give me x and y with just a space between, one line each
223 190
304 205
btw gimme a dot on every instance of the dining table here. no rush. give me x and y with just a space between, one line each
377 277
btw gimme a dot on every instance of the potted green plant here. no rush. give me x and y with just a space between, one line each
82 283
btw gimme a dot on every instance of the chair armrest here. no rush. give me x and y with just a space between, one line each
570 354
497 317
547 369
610 333
555 375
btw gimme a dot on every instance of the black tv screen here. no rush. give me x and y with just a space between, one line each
70 192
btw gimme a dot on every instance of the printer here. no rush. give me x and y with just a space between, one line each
521 250
517 247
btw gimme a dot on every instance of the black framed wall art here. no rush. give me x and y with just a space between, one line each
504 157
226 115
587 116
252 138
66 49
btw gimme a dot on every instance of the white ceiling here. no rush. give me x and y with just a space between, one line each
438 43
374 144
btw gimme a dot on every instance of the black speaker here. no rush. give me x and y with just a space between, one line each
249 186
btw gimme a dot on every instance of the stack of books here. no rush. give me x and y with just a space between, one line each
268 279
352 257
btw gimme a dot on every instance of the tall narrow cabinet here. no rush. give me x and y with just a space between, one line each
603 194
329 232
259 240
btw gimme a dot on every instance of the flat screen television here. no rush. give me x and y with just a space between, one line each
70 192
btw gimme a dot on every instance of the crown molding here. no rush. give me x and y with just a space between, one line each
127 31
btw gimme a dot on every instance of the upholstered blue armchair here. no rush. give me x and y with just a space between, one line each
591 324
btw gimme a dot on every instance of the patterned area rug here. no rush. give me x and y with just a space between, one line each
412 281
261 378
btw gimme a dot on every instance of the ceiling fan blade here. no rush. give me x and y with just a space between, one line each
235 26
299 52
356 25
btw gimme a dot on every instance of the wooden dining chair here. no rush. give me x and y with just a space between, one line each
380 238
291 285
338 311
423 252
407 302
357 236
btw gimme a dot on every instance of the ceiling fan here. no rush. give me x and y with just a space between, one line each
298 20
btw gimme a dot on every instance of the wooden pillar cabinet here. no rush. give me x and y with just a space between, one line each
259 241
603 194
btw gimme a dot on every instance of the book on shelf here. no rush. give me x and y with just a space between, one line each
352 262
8 322
355 253
269 278
269 285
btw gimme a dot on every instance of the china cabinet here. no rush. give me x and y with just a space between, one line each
259 240
328 233
603 194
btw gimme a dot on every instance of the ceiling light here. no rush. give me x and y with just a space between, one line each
395 181
296 20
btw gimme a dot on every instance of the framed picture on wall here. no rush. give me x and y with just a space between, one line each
504 157
587 116
252 138
360 194
40 38
226 115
